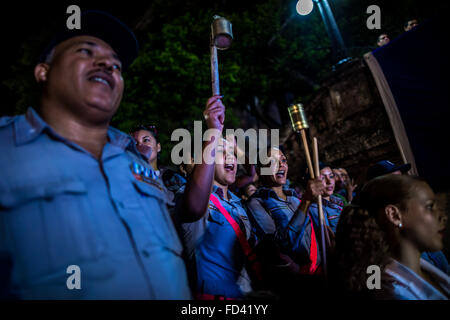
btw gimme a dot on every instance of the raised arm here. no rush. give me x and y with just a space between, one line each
198 188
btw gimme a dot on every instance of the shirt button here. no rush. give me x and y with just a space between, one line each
145 253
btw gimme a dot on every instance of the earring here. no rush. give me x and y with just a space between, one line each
400 225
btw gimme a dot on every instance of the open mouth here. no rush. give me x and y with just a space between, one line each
280 174
103 78
229 167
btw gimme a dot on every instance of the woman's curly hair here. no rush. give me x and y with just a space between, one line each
360 242
361 237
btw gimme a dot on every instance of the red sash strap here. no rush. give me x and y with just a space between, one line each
312 267
250 254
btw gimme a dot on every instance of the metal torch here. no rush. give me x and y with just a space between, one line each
221 38
300 124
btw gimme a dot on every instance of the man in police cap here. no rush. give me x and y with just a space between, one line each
386 167
80 215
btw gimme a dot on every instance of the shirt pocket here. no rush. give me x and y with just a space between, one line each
48 226
216 217
154 200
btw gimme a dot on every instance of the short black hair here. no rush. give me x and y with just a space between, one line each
379 37
407 21
150 128
324 165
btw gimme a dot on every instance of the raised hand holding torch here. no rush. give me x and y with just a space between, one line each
300 124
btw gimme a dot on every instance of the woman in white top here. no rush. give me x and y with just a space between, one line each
396 218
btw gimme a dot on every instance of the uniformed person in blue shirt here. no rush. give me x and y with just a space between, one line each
216 257
277 210
75 192
332 205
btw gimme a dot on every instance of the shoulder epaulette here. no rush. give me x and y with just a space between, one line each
5 121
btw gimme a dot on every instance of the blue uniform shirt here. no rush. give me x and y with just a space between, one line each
59 206
398 282
273 215
437 259
213 249
331 210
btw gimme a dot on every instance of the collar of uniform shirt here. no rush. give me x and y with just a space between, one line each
231 196
30 127
268 192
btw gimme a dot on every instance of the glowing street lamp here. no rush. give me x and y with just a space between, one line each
304 7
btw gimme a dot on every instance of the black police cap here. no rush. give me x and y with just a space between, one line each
106 27
384 167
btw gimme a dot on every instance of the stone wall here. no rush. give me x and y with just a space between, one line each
349 120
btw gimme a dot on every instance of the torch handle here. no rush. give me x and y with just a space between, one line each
319 203
308 156
317 172
214 71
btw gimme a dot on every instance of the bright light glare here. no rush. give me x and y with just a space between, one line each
304 7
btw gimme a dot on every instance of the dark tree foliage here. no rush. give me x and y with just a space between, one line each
275 51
